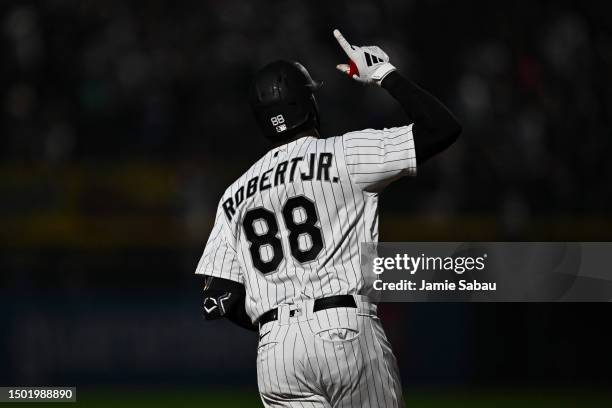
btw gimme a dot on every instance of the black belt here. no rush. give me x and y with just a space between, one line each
319 304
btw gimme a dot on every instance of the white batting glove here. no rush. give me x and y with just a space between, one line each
367 64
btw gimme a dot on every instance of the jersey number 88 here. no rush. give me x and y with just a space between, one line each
269 237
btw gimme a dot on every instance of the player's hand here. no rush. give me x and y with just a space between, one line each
367 64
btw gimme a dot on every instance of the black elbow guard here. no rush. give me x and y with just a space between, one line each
225 298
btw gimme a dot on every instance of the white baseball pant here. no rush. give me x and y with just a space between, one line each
337 357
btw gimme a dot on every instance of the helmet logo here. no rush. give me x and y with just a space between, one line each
279 123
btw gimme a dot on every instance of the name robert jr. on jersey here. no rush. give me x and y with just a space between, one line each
285 171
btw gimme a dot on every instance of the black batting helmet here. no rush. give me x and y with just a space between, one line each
282 99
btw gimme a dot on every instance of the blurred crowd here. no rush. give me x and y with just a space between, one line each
121 122
96 81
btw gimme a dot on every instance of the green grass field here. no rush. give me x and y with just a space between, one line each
416 399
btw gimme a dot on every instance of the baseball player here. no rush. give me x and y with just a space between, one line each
283 257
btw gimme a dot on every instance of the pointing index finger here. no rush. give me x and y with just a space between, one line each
343 43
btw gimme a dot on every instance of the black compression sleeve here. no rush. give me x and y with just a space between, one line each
435 128
238 316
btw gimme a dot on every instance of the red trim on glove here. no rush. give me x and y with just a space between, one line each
353 69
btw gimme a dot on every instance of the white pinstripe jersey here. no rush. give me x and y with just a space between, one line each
290 228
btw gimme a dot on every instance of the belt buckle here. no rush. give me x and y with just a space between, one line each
296 312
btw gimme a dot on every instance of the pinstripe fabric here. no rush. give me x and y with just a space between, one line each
332 358
362 163
377 157
220 258
339 179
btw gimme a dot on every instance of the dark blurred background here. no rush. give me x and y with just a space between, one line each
123 122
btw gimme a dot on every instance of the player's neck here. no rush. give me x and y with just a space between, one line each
303 133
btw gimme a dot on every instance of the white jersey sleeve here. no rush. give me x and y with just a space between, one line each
375 158
220 258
